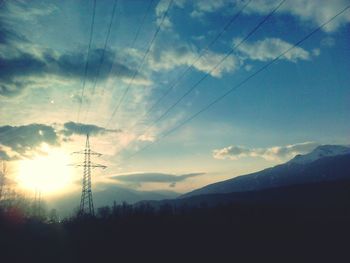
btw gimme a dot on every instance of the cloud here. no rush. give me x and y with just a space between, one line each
8 36
328 42
4 156
275 153
23 65
71 128
15 72
161 9
22 11
312 12
168 57
269 48
308 12
27 138
139 178
201 7
146 138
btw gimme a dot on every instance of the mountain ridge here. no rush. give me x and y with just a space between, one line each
312 167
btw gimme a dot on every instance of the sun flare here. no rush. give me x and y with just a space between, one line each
49 173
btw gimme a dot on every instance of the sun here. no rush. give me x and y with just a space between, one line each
49 174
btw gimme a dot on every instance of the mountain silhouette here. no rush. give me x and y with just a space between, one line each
325 163
106 196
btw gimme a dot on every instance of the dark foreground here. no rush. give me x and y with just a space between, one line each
228 233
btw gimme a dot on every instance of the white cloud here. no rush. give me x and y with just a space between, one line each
309 12
184 55
146 138
161 9
200 7
328 42
269 48
276 153
22 11
316 52
314 12
209 59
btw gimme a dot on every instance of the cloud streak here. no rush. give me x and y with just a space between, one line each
269 48
71 128
140 178
168 57
276 153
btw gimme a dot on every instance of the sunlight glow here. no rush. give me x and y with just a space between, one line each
49 173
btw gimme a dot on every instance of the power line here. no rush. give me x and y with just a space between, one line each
135 37
215 67
87 59
218 99
142 23
141 64
180 77
103 55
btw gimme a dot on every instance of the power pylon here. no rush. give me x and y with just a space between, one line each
86 201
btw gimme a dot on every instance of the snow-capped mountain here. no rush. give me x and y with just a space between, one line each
320 152
325 163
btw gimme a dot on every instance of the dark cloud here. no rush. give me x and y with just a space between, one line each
71 128
11 88
4 156
14 71
8 36
22 139
138 178
27 139
23 65
72 64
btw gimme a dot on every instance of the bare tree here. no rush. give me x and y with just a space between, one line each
3 172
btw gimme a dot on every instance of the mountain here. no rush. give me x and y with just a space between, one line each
106 195
325 163
331 196
320 152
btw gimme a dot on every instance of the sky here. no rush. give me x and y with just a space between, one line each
146 67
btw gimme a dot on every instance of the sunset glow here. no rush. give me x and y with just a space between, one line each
49 173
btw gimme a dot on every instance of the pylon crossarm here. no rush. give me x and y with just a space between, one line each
92 165
89 165
95 153
90 152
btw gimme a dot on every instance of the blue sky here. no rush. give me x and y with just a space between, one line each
298 102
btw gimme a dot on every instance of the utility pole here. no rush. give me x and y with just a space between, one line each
86 201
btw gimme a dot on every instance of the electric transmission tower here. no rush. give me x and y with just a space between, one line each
86 202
